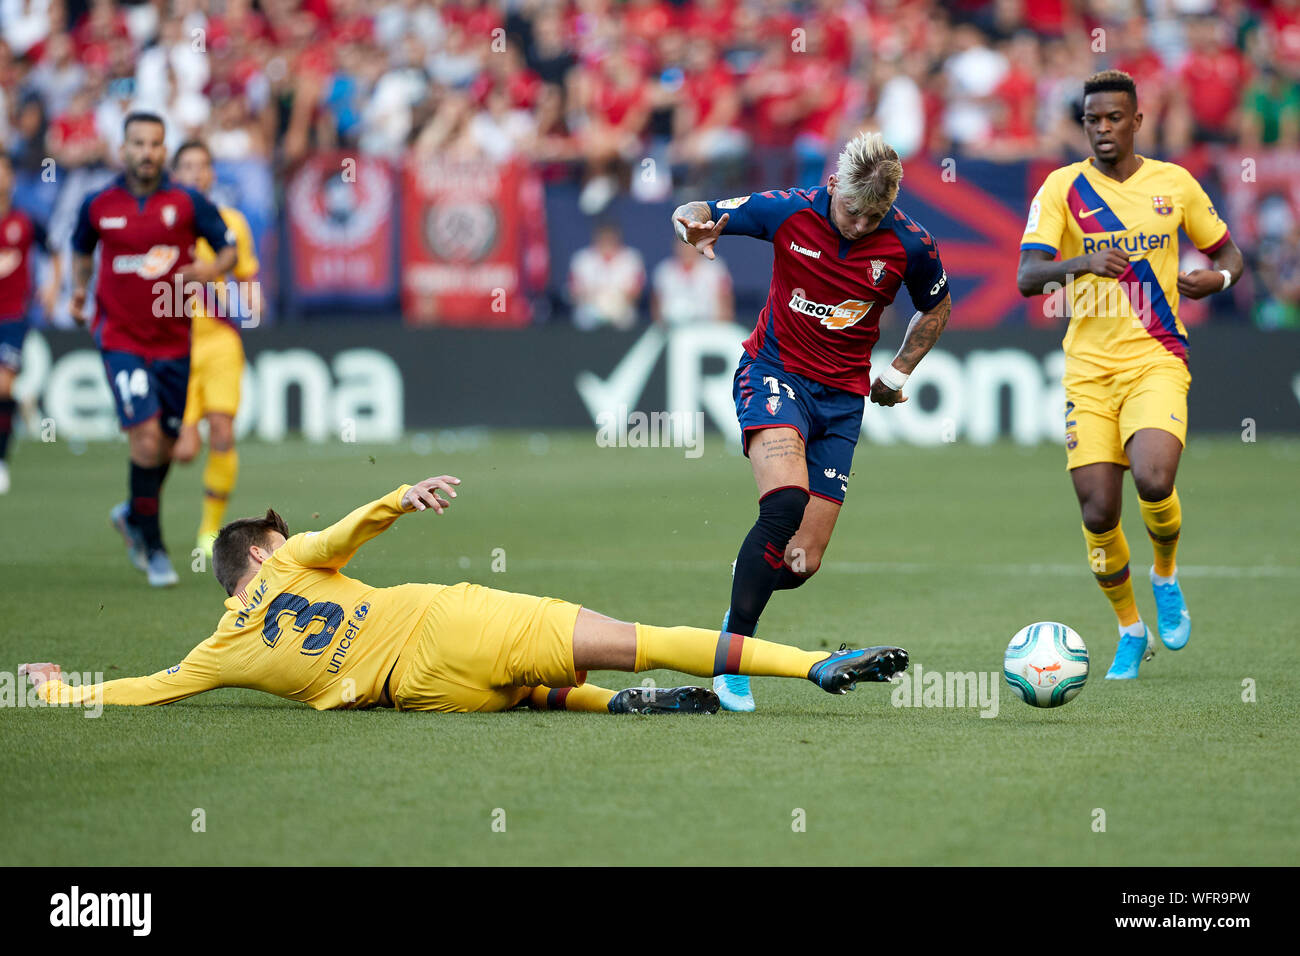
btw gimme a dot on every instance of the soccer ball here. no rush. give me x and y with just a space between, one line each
1046 664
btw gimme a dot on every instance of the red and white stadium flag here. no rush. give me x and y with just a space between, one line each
340 210
473 242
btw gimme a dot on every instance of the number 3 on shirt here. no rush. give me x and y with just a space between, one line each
325 611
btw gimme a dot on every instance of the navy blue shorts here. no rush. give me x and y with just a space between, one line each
144 388
12 333
829 420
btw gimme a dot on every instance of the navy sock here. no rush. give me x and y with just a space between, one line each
787 580
7 406
761 560
146 489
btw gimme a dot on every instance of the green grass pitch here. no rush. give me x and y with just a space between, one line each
947 551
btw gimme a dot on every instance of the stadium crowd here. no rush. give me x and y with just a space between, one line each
644 96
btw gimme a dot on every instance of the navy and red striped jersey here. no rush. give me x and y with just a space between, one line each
822 315
142 241
18 233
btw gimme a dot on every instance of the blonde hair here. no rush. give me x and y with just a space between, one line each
868 170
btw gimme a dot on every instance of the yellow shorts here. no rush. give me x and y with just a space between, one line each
480 649
216 372
1103 412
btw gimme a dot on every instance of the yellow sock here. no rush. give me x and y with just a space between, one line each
587 697
218 482
1163 520
694 650
1108 558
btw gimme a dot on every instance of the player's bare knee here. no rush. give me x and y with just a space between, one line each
147 449
1100 515
1153 483
221 433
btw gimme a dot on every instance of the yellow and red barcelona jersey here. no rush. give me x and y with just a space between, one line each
301 629
245 270
1132 320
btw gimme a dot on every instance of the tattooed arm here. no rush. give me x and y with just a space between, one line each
693 223
922 332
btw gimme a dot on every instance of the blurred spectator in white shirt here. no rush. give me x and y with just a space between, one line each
605 281
973 73
689 289
25 23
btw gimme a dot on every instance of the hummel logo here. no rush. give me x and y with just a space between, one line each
805 252
1085 213
829 472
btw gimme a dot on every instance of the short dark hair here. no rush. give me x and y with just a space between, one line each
230 550
1111 81
141 116
188 145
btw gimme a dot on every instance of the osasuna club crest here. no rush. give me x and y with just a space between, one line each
169 215
877 270
773 404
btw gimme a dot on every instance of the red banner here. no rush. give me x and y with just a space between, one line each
473 242
340 216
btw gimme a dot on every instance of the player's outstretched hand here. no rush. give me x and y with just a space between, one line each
882 394
425 495
40 673
1199 283
702 235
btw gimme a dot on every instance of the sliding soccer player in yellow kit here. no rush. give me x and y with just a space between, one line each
1114 220
217 353
296 626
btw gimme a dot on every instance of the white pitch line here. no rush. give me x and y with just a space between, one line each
875 567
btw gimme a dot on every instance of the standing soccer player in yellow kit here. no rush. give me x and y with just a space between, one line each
217 354
1114 219
297 627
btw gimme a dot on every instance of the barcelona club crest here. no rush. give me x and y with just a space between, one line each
1163 205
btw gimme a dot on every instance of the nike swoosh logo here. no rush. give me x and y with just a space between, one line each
1085 213
1175 418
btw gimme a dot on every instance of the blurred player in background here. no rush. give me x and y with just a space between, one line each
145 226
217 354
19 234
842 252
1114 219
296 626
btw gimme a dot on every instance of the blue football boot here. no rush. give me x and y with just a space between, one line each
135 547
1128 655
1173 620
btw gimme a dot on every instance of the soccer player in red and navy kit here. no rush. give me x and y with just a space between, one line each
19 234
842 252
145 227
